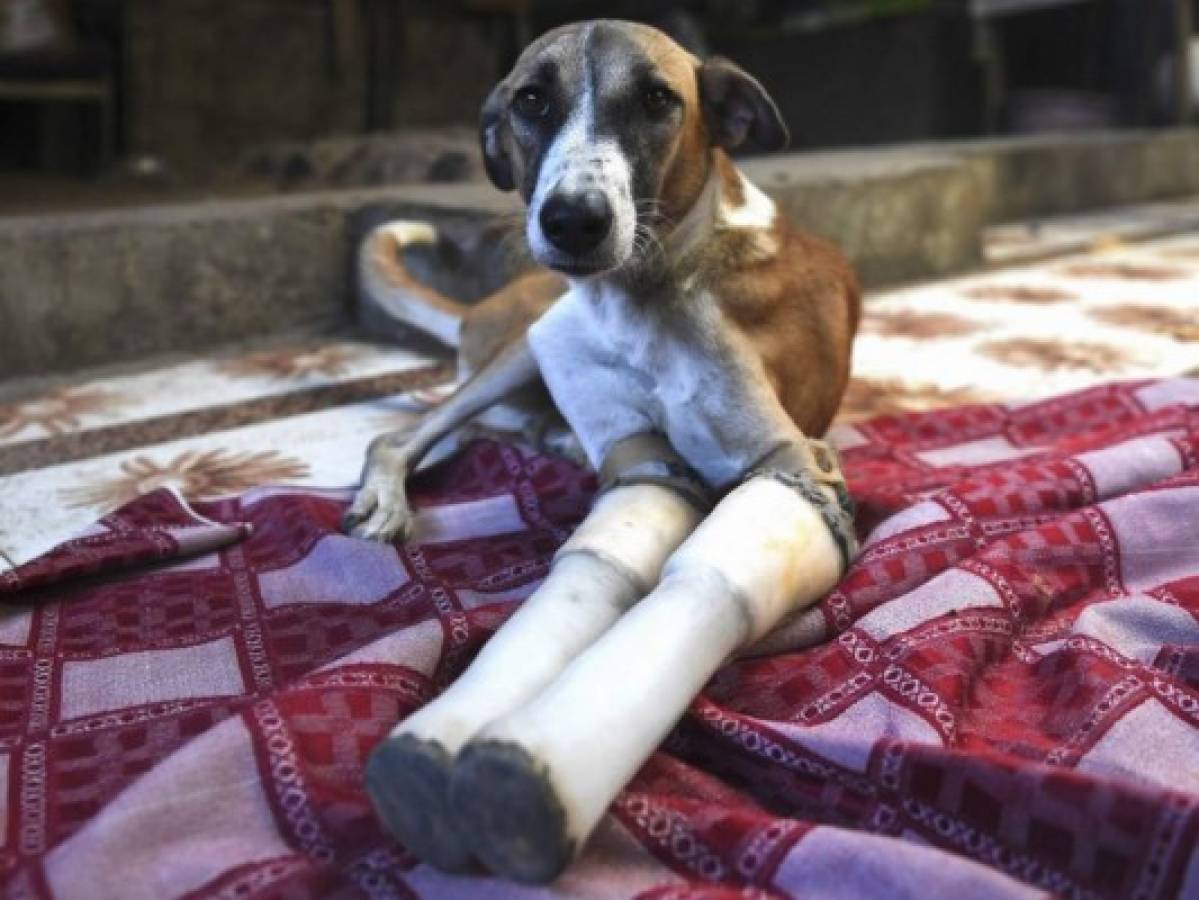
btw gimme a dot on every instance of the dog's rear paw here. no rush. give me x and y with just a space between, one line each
377 515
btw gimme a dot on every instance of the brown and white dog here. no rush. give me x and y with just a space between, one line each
692 338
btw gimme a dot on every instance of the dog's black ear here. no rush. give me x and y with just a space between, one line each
738 109
493 134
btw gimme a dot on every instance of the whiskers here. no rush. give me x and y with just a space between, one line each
651 211
650 220
646 245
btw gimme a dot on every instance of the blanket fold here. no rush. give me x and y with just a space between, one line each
158 527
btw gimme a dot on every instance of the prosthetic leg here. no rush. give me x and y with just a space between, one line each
530 788
650 503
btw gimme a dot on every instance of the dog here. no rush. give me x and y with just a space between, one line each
695 342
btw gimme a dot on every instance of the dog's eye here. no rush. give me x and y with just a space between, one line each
658 99
531 103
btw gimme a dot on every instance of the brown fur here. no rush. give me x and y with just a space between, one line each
731 188
689 164
800 307
800 311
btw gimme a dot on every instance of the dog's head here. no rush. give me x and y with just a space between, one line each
606 128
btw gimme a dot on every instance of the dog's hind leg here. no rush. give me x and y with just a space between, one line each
609 563
530 788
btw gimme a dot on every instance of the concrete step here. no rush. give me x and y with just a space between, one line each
96 288
897 216
1028 240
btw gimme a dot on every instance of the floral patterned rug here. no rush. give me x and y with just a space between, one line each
1119 311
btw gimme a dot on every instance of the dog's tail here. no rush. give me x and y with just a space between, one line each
392 289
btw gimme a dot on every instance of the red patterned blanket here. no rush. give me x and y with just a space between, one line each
1001 698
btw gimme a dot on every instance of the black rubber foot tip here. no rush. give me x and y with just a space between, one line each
408 782
508 814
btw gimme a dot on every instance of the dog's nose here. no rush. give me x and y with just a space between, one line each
576 223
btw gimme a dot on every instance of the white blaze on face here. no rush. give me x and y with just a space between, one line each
579 161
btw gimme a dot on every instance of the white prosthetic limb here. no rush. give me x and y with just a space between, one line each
530 788
611 561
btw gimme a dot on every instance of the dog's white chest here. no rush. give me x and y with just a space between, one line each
615 370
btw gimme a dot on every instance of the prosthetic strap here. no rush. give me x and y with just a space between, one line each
809 467
648 458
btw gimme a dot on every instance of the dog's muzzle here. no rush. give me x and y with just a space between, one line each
576 223
582 219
